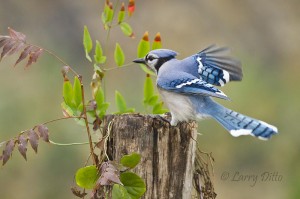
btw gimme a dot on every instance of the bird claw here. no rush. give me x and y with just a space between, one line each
163 118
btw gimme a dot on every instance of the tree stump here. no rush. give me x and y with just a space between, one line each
168 153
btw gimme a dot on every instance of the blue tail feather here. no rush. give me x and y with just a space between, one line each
238 124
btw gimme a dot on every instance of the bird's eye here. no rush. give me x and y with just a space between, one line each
150 58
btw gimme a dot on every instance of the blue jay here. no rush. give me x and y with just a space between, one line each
186 86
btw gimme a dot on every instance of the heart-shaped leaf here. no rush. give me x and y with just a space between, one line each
134 184
86 177
130 160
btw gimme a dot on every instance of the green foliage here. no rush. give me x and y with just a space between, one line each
151 99
86 112
77 92
121 15
126 29
134 184
157 42
68 93
159 109
99 57
131 160
102 106
119 191
148 90
86 177
87 43
119 55
121 104
72 105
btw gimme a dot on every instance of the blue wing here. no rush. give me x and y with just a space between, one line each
192 86
216 68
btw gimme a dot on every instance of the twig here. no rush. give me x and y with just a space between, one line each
87 122
117 67
67 144
57 57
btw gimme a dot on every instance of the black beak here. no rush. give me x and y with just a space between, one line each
139 61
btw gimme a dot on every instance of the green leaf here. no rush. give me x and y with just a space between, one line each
99 96
121 14
119 192
98 57
143 46
120 102
102 106
77 91
119 55
152 101
86 177
102 109
148 89
104 19
108 13
134 184
130 160
157 42
87 43
126 29
142 50
68 93
158 108
156 45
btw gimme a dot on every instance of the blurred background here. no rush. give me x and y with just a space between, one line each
264 35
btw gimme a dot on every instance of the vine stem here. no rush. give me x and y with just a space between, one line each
62 118
67 144
83 99
87 122
56 57
48 122
117 67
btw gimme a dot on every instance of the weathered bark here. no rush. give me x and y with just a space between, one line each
168 153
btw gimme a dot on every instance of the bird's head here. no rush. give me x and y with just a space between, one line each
156 58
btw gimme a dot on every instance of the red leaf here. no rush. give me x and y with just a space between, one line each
4 40
44 132
8 46
109 174
33 139
111 177
17 48
22 146
146 36
34 56
9 147
106 165
102 181
16 35
24 54
131 7
157 37
96 124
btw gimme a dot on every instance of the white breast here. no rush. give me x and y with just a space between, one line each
180 106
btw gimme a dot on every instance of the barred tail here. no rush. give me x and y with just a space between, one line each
238 124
